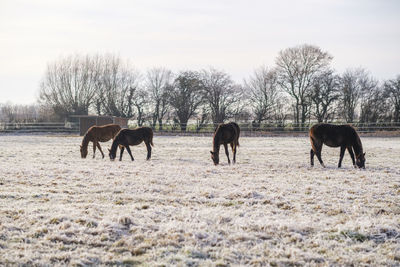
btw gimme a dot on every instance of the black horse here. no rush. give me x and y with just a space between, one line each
127 137
225 134
344 136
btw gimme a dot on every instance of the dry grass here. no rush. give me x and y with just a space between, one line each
178 209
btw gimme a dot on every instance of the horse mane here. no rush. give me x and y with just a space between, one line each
114 144
216 138
358 149
85 140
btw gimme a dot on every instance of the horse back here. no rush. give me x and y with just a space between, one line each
333 135
135 136
227 133
105 132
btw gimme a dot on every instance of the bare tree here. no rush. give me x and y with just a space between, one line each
220 94
185 96
116 87
392 93
157 82
19 113
47 114
324 93
262 91
7 112
140 101
69 84
297 68
281 112
373 104
351 86
202 119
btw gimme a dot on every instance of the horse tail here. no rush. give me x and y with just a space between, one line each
312 139
312 143
151 137
237 128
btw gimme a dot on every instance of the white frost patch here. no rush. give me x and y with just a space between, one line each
179 209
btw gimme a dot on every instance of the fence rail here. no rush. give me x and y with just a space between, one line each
51 127
272 127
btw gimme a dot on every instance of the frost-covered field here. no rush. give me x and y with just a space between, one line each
179 209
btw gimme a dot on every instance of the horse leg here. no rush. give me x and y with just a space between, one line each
318 153
129 151
233 146
148 150
94 147
122 151
342 150
312 157
227 153
352 155
316 149
99 147
319 158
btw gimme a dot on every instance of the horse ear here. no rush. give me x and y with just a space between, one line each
364 154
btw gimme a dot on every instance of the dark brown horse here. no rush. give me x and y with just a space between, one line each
225 134
98 134
343 136
127 137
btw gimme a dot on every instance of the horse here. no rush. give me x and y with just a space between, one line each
127 137
98 134
225 134
343 136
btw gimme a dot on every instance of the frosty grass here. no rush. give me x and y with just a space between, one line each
271 208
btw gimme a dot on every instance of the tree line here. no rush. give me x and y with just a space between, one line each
300 87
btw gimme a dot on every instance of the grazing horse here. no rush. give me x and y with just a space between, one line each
225 134
98 134
344 136
127 137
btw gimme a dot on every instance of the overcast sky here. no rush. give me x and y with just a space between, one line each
234 36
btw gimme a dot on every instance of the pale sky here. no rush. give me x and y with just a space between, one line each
234 36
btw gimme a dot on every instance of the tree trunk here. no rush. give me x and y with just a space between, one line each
160 124
183 125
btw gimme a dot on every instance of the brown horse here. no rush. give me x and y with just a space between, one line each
98 134
127 137
344 136
225 134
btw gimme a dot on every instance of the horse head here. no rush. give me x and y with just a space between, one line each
215 157
111 154
84 152
360 160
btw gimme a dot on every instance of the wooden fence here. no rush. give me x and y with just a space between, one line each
193 128
42 127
